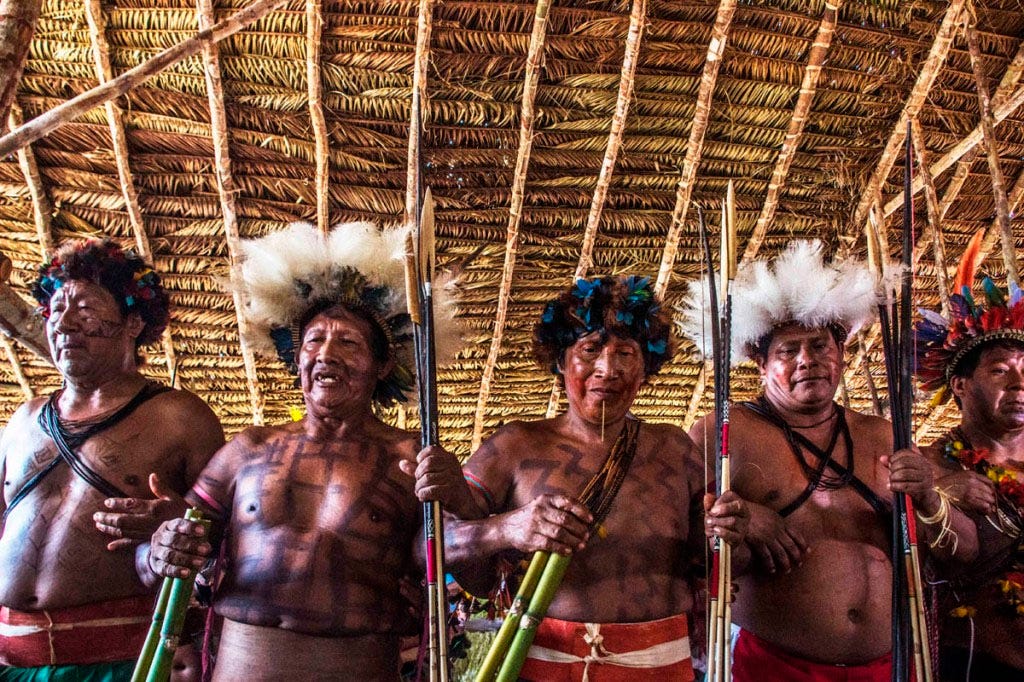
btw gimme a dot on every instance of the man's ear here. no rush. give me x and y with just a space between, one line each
134 324
385 368
956 384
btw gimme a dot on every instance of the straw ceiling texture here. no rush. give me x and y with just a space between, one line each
558 138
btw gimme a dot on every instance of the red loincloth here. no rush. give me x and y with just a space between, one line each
91 633
756 660
566 651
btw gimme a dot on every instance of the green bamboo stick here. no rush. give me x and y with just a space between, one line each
554 571
174 620
499 647
153 637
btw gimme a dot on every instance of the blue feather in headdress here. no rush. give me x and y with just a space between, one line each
995 297
960 306
1015 294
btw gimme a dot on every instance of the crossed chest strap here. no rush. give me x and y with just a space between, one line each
67 443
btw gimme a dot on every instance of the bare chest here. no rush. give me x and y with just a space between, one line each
652 501
123 455
830 500
308 490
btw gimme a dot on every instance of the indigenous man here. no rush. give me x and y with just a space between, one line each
89 460
979 354
816 602
621 612
315 519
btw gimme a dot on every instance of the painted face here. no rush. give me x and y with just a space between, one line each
86 327
337 369
802 369
602 375
994 393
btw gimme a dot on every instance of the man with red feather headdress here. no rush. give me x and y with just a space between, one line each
978 356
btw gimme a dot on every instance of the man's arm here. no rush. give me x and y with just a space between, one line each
193 434
178 546
551 523
950 534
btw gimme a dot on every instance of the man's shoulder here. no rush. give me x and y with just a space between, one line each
180 402
869 424
402 443
665 435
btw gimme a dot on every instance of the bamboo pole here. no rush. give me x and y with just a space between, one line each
19 321
995 168
73 108
314 85
18 20
527 116
695 145
933 231
226 193
42 207
119 140
922 86
634 36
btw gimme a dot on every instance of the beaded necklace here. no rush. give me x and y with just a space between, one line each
1009 492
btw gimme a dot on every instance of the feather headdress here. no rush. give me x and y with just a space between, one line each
798 286
286 274
943 344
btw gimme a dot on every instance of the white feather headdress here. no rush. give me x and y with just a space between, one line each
798 286
285 273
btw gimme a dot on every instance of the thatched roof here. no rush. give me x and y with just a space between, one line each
557 138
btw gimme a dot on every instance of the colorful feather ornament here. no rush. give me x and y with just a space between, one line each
942 344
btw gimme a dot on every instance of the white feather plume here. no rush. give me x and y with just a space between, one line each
283 272
798 286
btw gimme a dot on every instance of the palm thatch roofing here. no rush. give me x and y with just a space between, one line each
558 137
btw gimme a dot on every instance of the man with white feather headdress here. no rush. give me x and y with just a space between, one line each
315 518
816 602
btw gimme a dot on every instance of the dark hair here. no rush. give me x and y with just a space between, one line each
622 306
760 349
130 280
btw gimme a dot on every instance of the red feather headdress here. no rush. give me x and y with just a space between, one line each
942 344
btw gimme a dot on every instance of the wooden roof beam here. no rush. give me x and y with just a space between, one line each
76 106
634 37
932 234
951 22
16 368
1005 101
18 20
808 88
314 83
421 61
42 207
527 115
956 183
995 168
695 145
227 192
119 140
